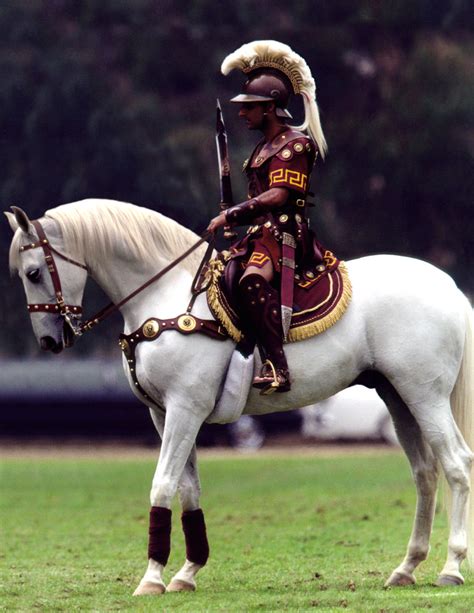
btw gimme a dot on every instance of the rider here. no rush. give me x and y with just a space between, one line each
279 243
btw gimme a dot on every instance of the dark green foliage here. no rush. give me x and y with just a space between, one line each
112 98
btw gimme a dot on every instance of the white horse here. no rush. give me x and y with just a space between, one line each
408 331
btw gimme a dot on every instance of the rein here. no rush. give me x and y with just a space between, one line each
71 312
113 307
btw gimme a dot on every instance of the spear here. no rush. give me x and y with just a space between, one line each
227 198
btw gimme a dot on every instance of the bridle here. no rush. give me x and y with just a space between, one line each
71 313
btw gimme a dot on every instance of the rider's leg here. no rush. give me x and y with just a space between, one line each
260 305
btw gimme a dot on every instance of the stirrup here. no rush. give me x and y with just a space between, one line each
272 379
266 376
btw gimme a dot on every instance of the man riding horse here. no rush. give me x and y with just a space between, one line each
279 243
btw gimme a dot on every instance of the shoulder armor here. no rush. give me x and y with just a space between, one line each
285 146
298 146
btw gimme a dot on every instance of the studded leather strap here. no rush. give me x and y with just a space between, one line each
154 327
60 306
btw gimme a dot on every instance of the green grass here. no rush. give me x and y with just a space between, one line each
294 533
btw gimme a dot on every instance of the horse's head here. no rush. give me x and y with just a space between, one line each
54 283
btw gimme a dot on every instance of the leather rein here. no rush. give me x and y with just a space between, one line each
70 313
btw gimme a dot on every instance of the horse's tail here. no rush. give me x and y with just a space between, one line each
462 404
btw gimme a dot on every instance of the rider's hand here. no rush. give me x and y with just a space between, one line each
217 222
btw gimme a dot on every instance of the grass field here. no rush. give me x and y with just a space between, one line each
287 534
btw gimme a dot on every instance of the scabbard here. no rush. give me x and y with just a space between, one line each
287 281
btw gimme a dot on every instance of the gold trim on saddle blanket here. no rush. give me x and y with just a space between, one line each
221 310
299 333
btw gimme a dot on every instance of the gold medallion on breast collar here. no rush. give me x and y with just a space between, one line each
186 323
151 328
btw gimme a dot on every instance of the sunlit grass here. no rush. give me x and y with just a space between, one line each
286 533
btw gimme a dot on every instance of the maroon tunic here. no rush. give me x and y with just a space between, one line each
286 161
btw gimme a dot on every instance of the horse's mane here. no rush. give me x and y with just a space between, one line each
92 228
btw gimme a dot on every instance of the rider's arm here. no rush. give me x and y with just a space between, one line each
245 212
288 173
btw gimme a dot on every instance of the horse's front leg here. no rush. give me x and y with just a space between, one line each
178 434
194 528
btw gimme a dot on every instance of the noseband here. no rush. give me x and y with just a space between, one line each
70 313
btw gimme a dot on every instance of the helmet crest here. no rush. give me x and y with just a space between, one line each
270 57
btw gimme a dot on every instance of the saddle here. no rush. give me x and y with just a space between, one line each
321 296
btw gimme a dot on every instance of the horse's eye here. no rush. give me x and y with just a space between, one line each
33 275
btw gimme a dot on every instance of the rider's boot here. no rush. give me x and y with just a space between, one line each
262 313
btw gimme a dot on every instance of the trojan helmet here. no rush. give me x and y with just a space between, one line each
267 85
275 72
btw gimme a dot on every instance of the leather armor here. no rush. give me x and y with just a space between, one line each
286 161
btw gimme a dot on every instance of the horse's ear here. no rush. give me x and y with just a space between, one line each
11 220
22 220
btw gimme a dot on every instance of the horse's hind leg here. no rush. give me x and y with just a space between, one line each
440 431
424 469
456 459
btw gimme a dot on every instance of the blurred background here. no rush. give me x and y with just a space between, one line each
116 99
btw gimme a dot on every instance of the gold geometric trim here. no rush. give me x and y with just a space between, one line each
258 259
323 324
290 177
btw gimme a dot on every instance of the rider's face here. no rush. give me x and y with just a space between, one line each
254 114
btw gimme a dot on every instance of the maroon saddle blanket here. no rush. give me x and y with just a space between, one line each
320 297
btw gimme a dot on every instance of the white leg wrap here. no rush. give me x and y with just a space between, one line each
184 580
152 582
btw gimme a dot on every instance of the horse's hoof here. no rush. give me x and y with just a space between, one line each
449 580
399 579
178 585
147 588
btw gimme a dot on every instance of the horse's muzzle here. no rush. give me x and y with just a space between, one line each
47 343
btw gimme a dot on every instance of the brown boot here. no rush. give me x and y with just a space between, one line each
262 313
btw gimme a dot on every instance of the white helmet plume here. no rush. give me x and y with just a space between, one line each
273 54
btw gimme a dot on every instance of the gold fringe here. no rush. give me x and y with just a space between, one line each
295 334
316 327
213 299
